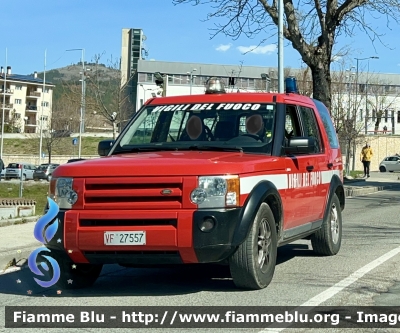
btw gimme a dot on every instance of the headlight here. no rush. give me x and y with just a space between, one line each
62 193
216 192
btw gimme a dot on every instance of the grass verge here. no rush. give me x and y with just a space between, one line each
61 146
35 191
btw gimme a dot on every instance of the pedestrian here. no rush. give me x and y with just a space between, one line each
384 129
366 156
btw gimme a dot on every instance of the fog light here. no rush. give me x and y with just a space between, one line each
207 224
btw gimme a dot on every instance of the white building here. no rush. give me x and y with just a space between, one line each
24 100
364 96
375 93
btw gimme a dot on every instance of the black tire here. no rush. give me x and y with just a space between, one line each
82 275
382 168
327 240
252 266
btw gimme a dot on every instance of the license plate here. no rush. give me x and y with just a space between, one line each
125 238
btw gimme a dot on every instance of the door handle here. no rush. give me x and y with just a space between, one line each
310 167
330 165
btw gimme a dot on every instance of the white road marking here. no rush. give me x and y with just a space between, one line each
338 287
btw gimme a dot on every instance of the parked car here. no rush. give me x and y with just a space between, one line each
15 170
390 163
44 171
61 133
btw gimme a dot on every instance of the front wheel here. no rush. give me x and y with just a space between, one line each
382 168
327 240
75 276
252 266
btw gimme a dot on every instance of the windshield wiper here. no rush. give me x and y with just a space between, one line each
160 148
216 148
143 149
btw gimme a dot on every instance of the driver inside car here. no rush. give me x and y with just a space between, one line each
255 127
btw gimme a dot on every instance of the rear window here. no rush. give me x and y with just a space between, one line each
328 124
13 166
43 167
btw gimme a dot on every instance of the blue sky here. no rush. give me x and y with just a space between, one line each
174 33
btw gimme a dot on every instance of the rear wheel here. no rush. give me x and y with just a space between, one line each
327 240
382 168
252 266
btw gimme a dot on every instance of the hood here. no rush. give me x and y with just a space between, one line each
177 163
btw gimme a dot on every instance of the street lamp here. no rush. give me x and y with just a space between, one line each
81 124
356 104
4 105
41 117
191 78
357 60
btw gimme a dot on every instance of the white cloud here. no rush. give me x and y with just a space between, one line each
267 49
224 47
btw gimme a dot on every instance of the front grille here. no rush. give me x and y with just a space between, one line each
133 193
124 222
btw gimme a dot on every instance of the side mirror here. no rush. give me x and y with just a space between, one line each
104 147
300 145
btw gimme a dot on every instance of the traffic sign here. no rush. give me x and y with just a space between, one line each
74 141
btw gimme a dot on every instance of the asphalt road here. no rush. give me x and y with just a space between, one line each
353 277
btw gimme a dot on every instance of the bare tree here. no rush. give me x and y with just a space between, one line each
51 138
310 26
13 123
109 99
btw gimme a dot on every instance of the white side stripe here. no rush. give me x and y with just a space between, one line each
247 183
281 181
327 175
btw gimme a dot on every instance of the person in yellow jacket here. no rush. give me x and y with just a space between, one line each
366 156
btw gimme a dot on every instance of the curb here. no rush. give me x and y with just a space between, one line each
19 220
353 191
15 258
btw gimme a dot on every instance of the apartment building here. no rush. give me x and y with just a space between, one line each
26 101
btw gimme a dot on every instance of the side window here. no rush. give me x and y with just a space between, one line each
328 124
292 125
310 126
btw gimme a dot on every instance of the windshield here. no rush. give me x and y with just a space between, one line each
219 126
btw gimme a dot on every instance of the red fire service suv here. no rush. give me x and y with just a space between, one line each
214 178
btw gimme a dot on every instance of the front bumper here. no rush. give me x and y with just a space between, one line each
173 237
